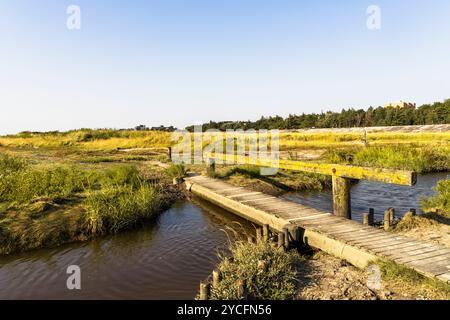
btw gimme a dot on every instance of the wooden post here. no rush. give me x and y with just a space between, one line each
365 218
281 243
266 231
371 216
169 152
242 288
391 215
368 218
259 235
341 197
205 289
413 211
210 165
387 219
216 278
286 237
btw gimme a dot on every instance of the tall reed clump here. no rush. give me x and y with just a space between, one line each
441 200
269 272
119 207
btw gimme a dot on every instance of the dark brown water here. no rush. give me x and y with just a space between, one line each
163 261
167 259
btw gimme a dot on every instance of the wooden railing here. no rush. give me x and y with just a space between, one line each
342 175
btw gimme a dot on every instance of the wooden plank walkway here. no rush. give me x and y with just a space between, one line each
344 238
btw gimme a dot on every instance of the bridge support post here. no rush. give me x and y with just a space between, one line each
341 196
205 289
210 165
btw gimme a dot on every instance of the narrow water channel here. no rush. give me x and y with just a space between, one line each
163 261
167 259
379 196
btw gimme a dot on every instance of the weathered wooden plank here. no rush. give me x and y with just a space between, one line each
254 200
347 239
332 225
362 230
252 197
243 194
388 246
386 236
227 190
307 219
378 239
444 277
361 234
296 211
400 177
425 257
422 248
436 265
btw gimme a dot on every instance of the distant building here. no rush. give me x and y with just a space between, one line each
401 104
141 127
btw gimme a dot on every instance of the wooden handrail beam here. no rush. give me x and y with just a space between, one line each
392 176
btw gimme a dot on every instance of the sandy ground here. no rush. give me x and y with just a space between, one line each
439 234
324 277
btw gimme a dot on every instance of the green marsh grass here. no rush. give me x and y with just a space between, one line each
408 280
49 204
270 273
119 207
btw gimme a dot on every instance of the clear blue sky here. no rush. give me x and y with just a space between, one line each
183 62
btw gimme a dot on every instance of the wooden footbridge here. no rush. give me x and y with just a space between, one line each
359 244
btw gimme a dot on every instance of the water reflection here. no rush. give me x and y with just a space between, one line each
379 196
166 259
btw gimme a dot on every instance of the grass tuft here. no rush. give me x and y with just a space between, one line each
270 273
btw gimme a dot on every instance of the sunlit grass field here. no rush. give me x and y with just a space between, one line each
119 139
419 151
58 187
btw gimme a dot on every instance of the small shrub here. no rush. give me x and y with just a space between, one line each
176 171
270 273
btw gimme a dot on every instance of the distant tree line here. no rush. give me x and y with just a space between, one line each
143 127
437 113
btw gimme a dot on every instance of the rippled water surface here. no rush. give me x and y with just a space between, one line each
379 196
168 258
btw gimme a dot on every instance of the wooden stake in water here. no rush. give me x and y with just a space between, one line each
205 289
266 233
368 218
259 236
242 288
281 241
391 215
387 219
286 237
216 278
